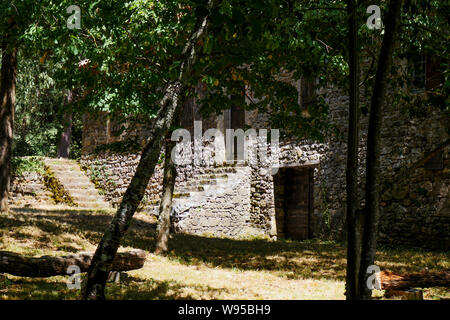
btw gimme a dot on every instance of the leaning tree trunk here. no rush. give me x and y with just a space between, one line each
66 135
165 208
7 102
169 107
353 245
369 239
106 250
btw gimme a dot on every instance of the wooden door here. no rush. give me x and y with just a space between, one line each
297 203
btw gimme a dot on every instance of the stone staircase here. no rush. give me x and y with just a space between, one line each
77 184
29 190
214 201
205 180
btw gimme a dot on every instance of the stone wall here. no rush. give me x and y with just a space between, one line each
414 212
112 173
240 200
208 200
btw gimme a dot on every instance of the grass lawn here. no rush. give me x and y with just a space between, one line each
196 267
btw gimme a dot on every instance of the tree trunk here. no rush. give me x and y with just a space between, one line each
169 107
7 102
162 243
371 211
106 250
66 135
47 266
353 245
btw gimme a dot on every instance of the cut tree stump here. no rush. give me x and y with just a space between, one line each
117 276
49 266
392 281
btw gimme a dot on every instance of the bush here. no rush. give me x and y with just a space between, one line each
21 165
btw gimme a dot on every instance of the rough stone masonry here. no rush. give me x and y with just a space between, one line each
306 198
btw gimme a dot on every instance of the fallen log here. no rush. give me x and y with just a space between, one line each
392 281
49 266
410 294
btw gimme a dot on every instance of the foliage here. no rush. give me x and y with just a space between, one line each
77 135
100 176
39 94
39 111
424 36
130 145
126 53
21 165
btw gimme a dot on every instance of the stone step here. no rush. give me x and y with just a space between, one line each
209 176
62 167
29 197
31 189
219 170
78 197
82 192
71 174
79 186
190 189
34 185
206 176
56 162
234 164
61 163
92 205
180 194
74 180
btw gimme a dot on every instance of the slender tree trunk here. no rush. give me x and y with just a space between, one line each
353 245
170 106
162 243
66 135
7 103
369 239
170 174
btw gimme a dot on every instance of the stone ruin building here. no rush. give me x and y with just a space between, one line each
306 197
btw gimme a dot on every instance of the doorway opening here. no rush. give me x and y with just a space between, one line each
293 190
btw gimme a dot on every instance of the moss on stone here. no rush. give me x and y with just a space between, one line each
58 193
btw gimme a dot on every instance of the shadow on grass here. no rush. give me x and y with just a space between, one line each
289 259
92 224
293 260
55 288
150 289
